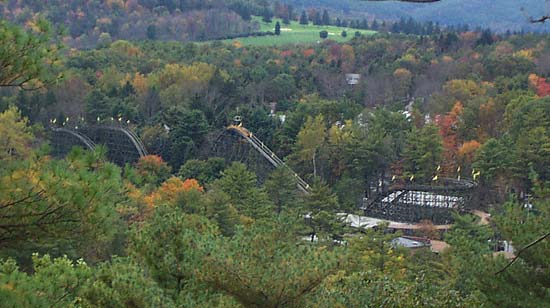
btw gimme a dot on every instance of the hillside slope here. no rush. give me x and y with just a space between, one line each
297 34
500 15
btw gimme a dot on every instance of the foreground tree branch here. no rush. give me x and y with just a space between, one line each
538 240
413 1
539 20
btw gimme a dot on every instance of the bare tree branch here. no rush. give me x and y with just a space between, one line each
539 20
540 239
413 1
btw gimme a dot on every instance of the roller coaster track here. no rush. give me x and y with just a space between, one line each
123 145
133 138
273 159
82 138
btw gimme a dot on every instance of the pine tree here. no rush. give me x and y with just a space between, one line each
395 27
486 38
303 18
364 24
152 32
326 18
267 14
374 25
277 28
286 21
317 20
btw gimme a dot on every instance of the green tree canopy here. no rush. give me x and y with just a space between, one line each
27 57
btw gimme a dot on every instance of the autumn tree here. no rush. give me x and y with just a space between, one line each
311 139
448 126
15 136
179 84
152 169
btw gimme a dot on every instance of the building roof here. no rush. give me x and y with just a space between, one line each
365 222
409 242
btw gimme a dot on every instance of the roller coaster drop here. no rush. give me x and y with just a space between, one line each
259 146
409 202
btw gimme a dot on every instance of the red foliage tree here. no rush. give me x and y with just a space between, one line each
540 84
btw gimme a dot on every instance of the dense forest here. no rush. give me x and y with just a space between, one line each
184 226
89 23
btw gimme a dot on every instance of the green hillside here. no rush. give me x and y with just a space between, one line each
295 33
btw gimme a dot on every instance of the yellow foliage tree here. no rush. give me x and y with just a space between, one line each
468 149
463 90
15 135
404 81
139 82
310 139
126 48
348 58
178 83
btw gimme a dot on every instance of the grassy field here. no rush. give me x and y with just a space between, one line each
296 34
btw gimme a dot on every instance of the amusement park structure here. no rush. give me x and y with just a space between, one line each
269 155
123 145
413 202
399 201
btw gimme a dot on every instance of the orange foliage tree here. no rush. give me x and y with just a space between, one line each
171 189
448 130
152 169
